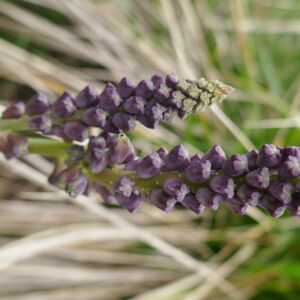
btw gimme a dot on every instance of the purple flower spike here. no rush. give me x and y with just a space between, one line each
135 105
87 98
94 116
216 156
124 121
76 131
223 185
252 159
208 198
110 100
120 149
198 171
249 194
123 186
131 203
294 207
297 188
126 87
191 202
177 159
15 111
238 206
149 166
40 123
269 156
282 190
172 80
176 188
162 200
37 105
259 178
290 151
274 206
290 168
105 194
63 106
235 165
144 89
162 94
157 80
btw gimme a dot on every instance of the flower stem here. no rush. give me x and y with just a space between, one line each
47 147
13 124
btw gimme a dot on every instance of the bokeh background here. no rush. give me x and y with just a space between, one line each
52 247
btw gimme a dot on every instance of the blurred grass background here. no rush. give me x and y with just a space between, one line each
53 248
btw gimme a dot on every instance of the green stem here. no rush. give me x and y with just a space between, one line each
47 147
13 124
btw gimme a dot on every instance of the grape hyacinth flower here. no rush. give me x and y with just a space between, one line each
104 160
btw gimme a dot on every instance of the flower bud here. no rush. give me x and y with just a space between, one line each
208 198
176 188
216 156
86 98
110 100
252 159
37 105
177 159
238 206
63 106
131 203
274 206
135 105
249 194
223 185
282 190
290 167
149 166
40 123
125 87
235 165
76 131
191 202
162 200
14 111
172 80
269 156
198 171
94 116
144 89
123 121
157 80
259 178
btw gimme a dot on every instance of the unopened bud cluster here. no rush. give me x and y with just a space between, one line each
118 107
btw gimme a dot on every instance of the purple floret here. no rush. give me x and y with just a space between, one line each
149 166
37 105
176 188
86 98
125 87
